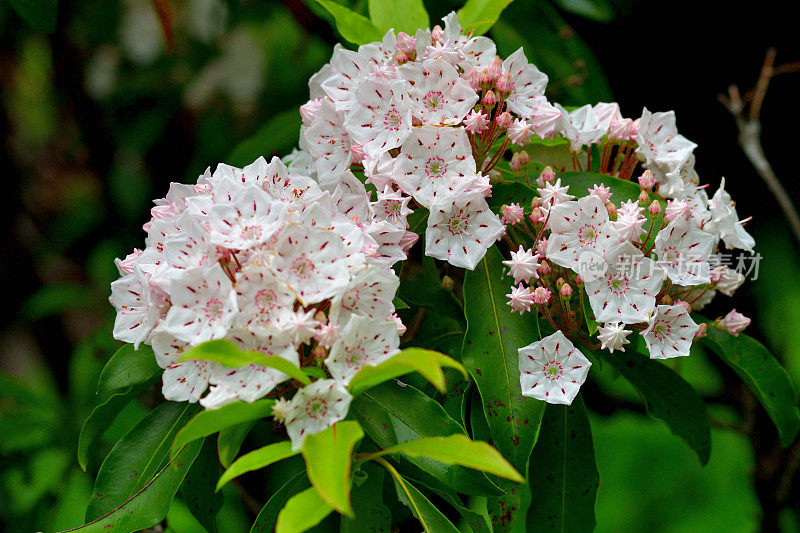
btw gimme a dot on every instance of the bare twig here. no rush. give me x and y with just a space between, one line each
746 112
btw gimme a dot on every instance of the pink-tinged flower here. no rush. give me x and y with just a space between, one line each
461 229
647 181
670 332
552 369
504 120
523 265
626 290
489 99
392 207
654 208
348 70
601 191
437 93
734 322
726 280
369 293
520 299
677 209
683 252
328 142
581 127
363 342
613 336
327 334
433 163
381 118
629 224
203 305
405 43
547 176
578 227
726 223
553 193
181 382
310 110
512 214
621 129
314 408
541 296
408 240
125 266
566 291
476 122
299 325
544 269
398 322
658 139
546 118
520 131
528 84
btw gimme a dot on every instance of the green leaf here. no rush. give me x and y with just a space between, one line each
426 362
197 490
329 455
421 286
764 376
667 396
391 415
399 304
563 472
491 342
371 513
256 459
431 518
268 516
52 300
302 512
100 418
356 28
480 15
210 421
149 505
402 15
227 353
598 10
276 136
41 15
128 367
137 457
458 450
230 441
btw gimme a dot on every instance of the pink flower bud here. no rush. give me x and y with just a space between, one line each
516 166
437 34
647 181
566 291
504 85
702 330
734 322
536 215
541 296
472 76
541 248
644 197
504 120
405 43
686 305
544 268
310 110
654 209
512 214
489 99
494 70
524 158
407 241
401 57
612 210
547 176
578 281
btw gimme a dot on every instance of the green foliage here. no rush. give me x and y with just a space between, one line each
367 496
765 377
268 517
128 367
257 459
402 15
197 490
666 396
354 27
303 511
563 471
230 441
226 353
41 15
277 136
427 362
480 15
329 455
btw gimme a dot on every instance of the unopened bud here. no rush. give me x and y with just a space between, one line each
734 322
541 296
437 34
566 291
578 281
536 202
547 176
536 215
472 76
489 99
405 43
494 70
612 210
401 57
321 317
319 352
559 282
665 300
524 158
544 268
516 166
504 120
512 214
686 305
644 197
647 181
702 330
448 283
654 209
310 110
504 85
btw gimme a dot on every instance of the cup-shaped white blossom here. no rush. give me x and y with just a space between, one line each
314 408
362 342
381 118
669 332
683 252
438 94
552 369
577 227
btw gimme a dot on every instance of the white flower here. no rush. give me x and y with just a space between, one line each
613 336
726 223
626 292
381 118
552 369
520 131
381 53
461 230
329 143
137 314
369 293
546 118
433 162
314 408
683 252
670 332
250 219
630 222
473 52
362 342
437 93
523 265
181 382
581 127
528 84
348 70
726 280
659 141
520 299
553 193
391 206
578 227
203 305
261 297
734 322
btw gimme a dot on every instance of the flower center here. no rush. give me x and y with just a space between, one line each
671 256
457 224
552 370
302 267
392 120
356 357
435 167
213 310
316 408
433 100
661 330
618 284
252 233
350 299
265 299
587 235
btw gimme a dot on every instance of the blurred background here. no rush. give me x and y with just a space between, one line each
102 104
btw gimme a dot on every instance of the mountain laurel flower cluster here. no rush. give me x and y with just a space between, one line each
273 263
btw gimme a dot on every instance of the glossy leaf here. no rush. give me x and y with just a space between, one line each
458 450
402 15
227 353
371 513
41 15
149 505
391 414
480 15
563 473
268 516
421 286
667 396
230 441
137 457
427 362
197 490
431 518
256 459
100 418
302 512
329 455
128 367
210 421
354 27
491 342
765 378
